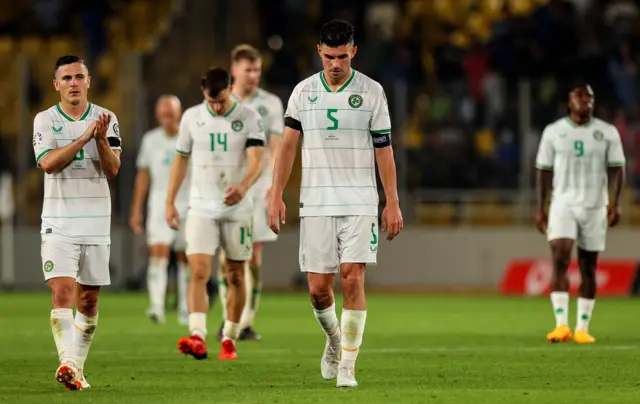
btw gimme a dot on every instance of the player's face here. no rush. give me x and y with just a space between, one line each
246 73
336 61
218 102
72 81
581 100
168 115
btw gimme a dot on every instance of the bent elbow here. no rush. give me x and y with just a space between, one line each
47 168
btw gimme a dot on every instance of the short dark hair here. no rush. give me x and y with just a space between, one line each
336 33
67 60
245 51
215 80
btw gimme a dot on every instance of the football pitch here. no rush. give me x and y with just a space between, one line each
416 349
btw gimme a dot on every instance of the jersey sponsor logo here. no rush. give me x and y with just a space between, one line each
312 100
355 101
200 124
262 110
237 126
598 135
56 130
48 266
116 129
563 135
37 138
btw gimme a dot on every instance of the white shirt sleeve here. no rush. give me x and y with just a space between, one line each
143 161
43 139
615 151
380 120
276 118
292 106
113 134
256 135
185 141
546 154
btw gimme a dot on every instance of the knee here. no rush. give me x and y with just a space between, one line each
199 269
88 300
62 294
321 294
352 277
561 253
235 274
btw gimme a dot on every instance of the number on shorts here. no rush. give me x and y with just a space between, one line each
374 238
578 145
218 139
245 234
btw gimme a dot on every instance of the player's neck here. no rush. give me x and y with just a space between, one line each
170 132
334 84
228 105
579 120
74 111
243 94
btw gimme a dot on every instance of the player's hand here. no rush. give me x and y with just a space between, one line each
172 216
541 221
613 216
277 214
102 125
90 132
267 195
135 221
234 194
392 220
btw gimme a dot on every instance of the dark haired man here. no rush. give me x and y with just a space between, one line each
345 120
77 144
226 140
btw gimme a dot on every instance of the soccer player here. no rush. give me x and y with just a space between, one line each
154 162
246 68
77 144
581 155
345 120
227 140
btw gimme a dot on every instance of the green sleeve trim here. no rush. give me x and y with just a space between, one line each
41 155
184 153
616 164
543 167
381 131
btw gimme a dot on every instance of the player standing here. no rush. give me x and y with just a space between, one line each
155 158
581 155
246 68
77 144
227 142
345 120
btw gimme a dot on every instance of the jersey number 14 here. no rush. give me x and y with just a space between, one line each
219 141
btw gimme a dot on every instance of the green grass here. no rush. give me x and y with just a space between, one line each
417 349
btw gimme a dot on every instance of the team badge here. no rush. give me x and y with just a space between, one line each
355 101
116 129
598 135
263 110
237 126
37 138
48 266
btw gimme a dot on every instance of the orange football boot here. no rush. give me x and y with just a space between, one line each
583 337
66 375
194 346
560 334
228 350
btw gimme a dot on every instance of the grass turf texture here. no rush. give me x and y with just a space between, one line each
416 349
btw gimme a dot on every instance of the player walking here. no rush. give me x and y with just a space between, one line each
154 162
246 68
581 155
227 142
346 125
77 144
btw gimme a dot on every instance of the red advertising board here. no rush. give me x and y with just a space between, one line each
532 277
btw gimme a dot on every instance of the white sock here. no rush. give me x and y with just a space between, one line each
230 331
560 302
352 323
61 321
198 324
157 283
328 321
254 291
222 290
585 307
83 330
183 286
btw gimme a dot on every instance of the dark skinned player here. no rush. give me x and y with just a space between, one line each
579 158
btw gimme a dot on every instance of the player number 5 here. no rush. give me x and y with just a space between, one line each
578 145
330 113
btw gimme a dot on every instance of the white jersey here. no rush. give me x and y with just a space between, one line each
77 201
339 133
157 152
270 109
579 157
217 145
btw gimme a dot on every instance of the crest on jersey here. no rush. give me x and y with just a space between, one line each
598 135
37 138
262 110
116 129
48 266
237 126
355 100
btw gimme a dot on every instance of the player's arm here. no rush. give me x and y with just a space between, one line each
178 171
544 178
615 169
109 144
49 157
141 188
275 135
255 149
381 135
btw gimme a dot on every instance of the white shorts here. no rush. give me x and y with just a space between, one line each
588 227
205 235
87 264
159 232
328 241
261 231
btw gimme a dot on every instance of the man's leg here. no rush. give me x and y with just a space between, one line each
157 281
253 282
183 287
236 297
222 288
